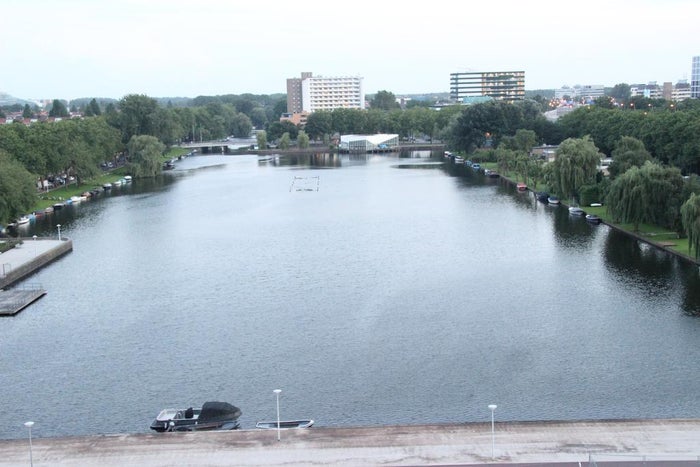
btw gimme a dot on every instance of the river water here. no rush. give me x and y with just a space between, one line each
371 289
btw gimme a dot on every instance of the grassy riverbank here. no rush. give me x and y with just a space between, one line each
660 237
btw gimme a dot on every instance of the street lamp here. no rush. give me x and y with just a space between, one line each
34 237
493 434
277 393
59 231
29 425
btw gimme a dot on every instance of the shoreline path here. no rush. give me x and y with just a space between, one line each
577 443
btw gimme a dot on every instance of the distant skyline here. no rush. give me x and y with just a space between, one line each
67 49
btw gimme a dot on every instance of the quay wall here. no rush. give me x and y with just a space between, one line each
31 265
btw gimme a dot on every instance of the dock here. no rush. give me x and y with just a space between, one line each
19 263
15 300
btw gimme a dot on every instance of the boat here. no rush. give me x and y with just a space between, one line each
212 415
107 186
593 219
521 186
553 200
23 220
127 178
284 424
576 211
76 199
542 197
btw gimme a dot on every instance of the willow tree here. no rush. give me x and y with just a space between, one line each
690 216
649 194
145 156
628 152
575 165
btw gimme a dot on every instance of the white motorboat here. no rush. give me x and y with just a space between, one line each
284 424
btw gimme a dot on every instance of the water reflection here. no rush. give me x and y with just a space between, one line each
571 232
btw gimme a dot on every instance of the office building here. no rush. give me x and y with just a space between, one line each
695 79
499 85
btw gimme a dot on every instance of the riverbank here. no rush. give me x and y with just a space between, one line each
653 442
660 241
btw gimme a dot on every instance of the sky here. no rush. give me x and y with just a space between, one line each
67 49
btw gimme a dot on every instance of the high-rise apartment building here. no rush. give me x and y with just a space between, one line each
499 85
695 78
310 93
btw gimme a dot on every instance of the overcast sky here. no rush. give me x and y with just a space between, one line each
185 48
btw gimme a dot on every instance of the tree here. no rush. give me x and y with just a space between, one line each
136 115
284 141
303 140
261 137
58 109
648 194
17 189
384 100
319 124
690 215
621 91
575 164
241 125
27 112
93 109
629 152
145 153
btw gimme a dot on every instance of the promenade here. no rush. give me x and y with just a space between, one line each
629 443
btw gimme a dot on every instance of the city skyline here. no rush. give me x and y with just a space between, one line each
79 48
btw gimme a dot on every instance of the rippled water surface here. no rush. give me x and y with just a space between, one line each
372 290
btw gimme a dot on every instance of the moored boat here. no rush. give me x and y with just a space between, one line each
542 197
593 219
553 200
521 186
212 415
576 211
284 424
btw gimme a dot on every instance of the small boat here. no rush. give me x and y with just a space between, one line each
476 167
76 199
459 160
542 197
521 186
23 220
211 416
127 178
117 183
575 211
593 219
107 186
553 200
49 209
284 424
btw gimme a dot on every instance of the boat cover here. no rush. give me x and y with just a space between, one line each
215 411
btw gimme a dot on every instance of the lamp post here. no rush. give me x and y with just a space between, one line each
59 231
277 393
493 433
29 425
34 237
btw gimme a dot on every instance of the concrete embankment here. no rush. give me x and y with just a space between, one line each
20 262
632 442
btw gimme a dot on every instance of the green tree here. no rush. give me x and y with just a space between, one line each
621 91
318 124
284 141
648 194
17 189
575 164
93 109
136 116
384 100
629 152
303 140
27 112
690 215
261 137
145 153
58 109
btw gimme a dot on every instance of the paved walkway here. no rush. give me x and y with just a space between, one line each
636 442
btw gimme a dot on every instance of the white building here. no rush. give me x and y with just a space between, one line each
581 92
311 93
369 143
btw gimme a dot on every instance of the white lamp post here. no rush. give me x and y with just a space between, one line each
277 393
34 237
59 231
493 434
29 425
